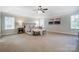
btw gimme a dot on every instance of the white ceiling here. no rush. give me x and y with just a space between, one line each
29 11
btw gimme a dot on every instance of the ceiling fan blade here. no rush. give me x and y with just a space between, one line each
45 9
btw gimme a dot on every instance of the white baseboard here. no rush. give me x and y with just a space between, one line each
63 33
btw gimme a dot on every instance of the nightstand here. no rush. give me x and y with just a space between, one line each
20 30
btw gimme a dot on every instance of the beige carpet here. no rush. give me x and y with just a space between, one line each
47 43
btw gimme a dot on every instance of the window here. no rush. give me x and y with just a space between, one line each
75 22
9 23
39 22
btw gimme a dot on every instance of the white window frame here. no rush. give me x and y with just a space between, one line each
8 22
74 22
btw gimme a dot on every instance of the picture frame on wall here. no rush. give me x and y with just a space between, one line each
51 21
55 21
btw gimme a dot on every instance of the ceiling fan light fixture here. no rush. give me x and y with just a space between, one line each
40 8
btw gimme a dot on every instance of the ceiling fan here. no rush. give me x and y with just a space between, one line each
42 9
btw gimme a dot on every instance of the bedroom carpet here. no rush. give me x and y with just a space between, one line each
50 42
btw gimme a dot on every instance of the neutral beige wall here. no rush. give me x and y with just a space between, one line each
64 27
